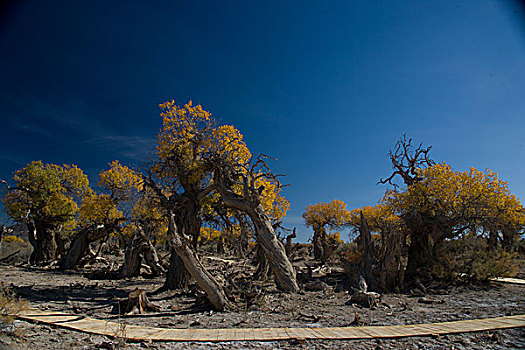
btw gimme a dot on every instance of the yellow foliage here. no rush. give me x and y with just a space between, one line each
120 180
380 218
335 237
228 142
189 140
333 214
274 204
47 192
12 238
210 234
98 208
468 197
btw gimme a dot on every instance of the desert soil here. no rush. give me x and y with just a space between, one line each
89 293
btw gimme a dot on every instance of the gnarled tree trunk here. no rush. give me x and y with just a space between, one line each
265 235
188 222
420 255
392 266
139 248
42 238
80 244
177 276
79 247
262 263
203 278
319 244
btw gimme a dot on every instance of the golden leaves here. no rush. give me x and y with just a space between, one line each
120 180
333 214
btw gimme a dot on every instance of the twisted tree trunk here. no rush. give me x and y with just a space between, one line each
203 278
139 248
80 245
265 235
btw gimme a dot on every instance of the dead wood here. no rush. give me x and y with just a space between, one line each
136 303
308 317
140 248
365 299
314 286
289 246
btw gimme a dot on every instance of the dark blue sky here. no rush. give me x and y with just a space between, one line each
325 87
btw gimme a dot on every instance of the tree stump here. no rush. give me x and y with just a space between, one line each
136 303
365 299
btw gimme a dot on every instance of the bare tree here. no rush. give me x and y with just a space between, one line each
406 160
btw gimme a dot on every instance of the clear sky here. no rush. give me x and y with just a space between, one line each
327 87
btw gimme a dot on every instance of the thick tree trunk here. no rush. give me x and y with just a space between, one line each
187 221
274 251
510 238
492 240
177 277
392 269
262 263
203 278
369 261
79 247
42 238
319 243
420 256
265 235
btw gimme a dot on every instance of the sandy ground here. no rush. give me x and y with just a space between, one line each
84 293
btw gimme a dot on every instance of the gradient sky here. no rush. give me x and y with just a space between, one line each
327 87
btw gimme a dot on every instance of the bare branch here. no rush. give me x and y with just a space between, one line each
406 160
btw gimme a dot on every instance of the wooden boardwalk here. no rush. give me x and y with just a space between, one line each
138 333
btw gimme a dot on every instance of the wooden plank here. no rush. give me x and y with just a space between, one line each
281 334
116 329
330 333
300 333
354 333
249 334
